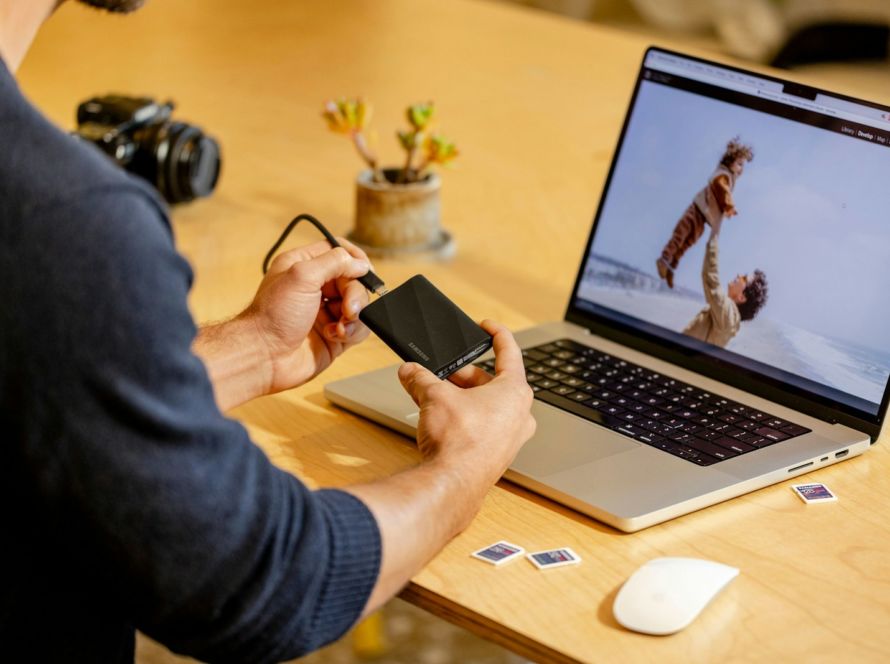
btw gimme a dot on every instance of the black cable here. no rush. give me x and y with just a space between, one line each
370 281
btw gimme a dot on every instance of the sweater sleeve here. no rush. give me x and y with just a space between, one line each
208 547
720 306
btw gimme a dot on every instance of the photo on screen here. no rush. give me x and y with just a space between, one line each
809 216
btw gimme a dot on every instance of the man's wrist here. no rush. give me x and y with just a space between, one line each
237 360
464 483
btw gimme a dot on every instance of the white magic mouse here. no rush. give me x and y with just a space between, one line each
666 594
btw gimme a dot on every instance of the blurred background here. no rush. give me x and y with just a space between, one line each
842 42
782 33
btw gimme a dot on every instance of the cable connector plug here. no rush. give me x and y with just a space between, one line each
373 283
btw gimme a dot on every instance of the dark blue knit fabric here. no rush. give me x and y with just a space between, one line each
127 501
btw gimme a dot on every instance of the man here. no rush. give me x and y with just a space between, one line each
127 500
721 319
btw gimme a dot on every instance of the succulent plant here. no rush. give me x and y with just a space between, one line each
352 116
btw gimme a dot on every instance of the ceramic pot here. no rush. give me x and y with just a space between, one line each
395 218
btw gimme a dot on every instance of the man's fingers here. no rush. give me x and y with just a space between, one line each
417 381
355 251
352 295
334 264
507 354
287 259
470 376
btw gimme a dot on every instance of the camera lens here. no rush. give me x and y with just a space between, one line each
190 165
180 160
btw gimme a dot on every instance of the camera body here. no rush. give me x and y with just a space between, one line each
179 159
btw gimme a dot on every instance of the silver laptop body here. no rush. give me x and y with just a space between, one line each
813 356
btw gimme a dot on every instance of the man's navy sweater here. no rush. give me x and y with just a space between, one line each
127 501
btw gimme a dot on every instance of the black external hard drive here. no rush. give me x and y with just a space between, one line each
421 325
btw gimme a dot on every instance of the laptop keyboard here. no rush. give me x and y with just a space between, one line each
668 414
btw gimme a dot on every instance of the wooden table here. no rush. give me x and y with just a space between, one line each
535 103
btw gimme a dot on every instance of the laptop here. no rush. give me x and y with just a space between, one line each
660 393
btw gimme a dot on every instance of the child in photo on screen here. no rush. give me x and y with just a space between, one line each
711 205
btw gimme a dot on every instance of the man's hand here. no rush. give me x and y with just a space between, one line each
306 310
304 314
476 423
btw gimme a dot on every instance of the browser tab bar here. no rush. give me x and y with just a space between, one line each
790 94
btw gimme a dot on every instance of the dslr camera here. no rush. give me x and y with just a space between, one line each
179 159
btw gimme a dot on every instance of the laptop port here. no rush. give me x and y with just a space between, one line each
841 454
803 465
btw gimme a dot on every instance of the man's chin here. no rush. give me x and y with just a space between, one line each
120 6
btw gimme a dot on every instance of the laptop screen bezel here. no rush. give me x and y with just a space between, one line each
799 399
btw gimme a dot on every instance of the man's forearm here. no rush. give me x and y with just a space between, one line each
418 511
237 363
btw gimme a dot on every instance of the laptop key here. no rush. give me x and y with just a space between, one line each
710 449
579 396
733 444
630 430
703 460
794 430
564 390
533 354
772 434
546 383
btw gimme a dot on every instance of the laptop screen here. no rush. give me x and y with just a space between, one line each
746 218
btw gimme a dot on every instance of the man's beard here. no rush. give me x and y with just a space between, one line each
122 6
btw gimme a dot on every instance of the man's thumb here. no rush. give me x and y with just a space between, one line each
416 380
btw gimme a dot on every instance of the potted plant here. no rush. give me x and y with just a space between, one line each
397 209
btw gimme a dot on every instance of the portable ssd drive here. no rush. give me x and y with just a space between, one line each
421 325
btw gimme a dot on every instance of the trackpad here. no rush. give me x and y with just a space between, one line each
564 441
